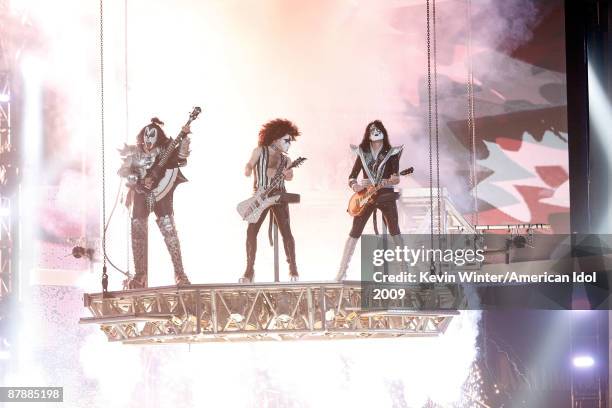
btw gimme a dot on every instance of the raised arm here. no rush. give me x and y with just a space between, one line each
248 169
353 184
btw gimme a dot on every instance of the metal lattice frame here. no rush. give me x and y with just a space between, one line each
15 30
416 212
286 311
6 238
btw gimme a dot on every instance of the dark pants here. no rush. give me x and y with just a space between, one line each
281 214
161 207
387 205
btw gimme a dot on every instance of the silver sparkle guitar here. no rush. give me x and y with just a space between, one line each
251 209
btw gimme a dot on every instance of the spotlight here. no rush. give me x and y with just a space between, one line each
79 252
583 361
4 97
519 241
236 317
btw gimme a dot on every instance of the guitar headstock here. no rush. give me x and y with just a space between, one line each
298 162
407 171
194 113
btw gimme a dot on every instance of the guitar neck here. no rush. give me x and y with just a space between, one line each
276 181
167 153
386 182
382 184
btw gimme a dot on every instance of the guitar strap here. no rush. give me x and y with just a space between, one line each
381 167
364 163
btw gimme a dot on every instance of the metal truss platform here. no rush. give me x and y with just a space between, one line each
259 312
415 207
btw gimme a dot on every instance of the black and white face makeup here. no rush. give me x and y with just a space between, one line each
150 137
376 134
284 143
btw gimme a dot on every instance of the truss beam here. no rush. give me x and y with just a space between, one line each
260 312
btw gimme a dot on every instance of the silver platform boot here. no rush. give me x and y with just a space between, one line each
168 229
347 254
140 229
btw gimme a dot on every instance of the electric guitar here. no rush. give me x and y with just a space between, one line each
359 201
163 179
251 209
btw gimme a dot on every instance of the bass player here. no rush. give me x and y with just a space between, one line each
269 160
379 163
151 143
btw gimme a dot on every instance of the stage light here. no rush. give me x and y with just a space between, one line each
583 361
79 252
519 241
600 115
236 317
4 97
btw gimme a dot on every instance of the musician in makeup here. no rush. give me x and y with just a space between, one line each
269 162
139 162
378 162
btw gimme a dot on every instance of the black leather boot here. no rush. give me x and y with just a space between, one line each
251 252
289 244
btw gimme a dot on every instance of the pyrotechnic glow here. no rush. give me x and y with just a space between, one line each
331 67
357 373
583 361
600 114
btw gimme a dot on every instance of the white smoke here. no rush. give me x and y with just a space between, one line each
356 373
329 66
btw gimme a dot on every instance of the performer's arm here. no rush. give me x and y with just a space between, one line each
183 152
178 158
394 167
353 184
248 169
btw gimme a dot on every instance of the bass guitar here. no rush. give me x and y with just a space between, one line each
251 209
161 180
360 201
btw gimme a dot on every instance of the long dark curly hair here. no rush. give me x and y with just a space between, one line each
275 129
162 139
365 142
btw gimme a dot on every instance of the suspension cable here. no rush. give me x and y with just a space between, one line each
106 225
429 127
127 122
436 128
103 164
471 121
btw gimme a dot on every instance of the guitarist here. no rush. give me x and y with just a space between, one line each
150 143
268 158
378 162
